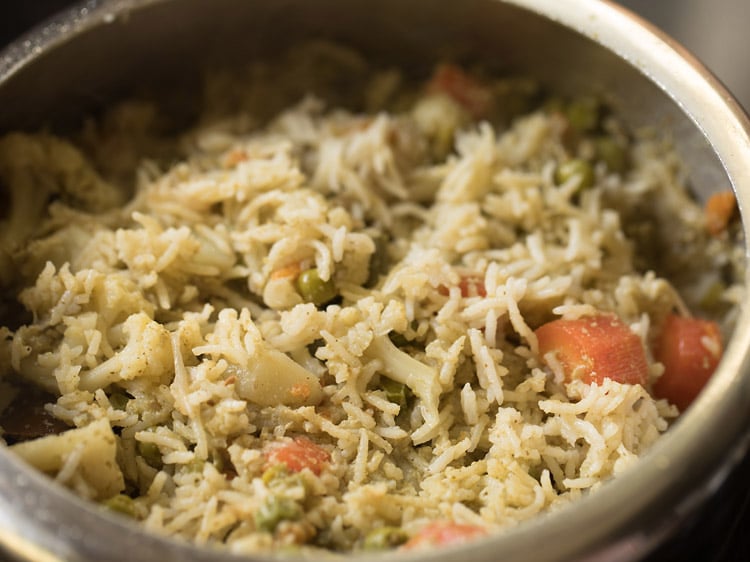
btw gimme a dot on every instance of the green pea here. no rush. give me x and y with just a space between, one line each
150 453
121 503
384 538
313 289
575 168
612 153
395 392
275 510
584 113
119 400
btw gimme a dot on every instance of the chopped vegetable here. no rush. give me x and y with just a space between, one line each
121 503
612 153
439 116
594 348
150 453
441 533
584 113
690 350
465 89
384 538
720 208
274 472
395 392
275 510
298 454
97 447
119 400
421 379
577 168
271 378
314 289
290 271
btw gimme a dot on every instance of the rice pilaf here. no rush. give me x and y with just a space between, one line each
321 329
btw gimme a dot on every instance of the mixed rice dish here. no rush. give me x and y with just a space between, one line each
383 313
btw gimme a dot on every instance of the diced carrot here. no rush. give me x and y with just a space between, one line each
690 350
298 454
290 271
594 348
719 210
234 157
470 285
466 90
440 533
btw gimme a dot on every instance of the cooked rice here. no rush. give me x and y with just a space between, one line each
175 297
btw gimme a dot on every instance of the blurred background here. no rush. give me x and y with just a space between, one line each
715 31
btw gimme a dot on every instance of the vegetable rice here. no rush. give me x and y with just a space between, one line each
312 318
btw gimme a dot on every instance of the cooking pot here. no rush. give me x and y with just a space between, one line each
98 51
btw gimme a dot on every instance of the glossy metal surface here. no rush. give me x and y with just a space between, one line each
97 51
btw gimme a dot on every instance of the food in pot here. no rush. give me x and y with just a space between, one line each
352 310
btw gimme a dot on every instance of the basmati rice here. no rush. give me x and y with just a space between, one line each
173 310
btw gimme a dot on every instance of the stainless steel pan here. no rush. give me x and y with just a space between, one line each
84 58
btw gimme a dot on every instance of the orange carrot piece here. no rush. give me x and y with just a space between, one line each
719 210
298 454
690 349
466 90
595 348
470 285
440 533
290 271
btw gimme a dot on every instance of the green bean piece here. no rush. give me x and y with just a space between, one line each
384 538
575 168
275 510
395 392
121 503
313 289
612 153
584 114
119 400
150 453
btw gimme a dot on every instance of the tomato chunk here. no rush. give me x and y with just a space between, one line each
441 533
690 349
465 90
298 454
594 348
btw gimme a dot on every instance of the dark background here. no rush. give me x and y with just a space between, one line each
716 32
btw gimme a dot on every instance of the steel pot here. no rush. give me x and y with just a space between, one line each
97 51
